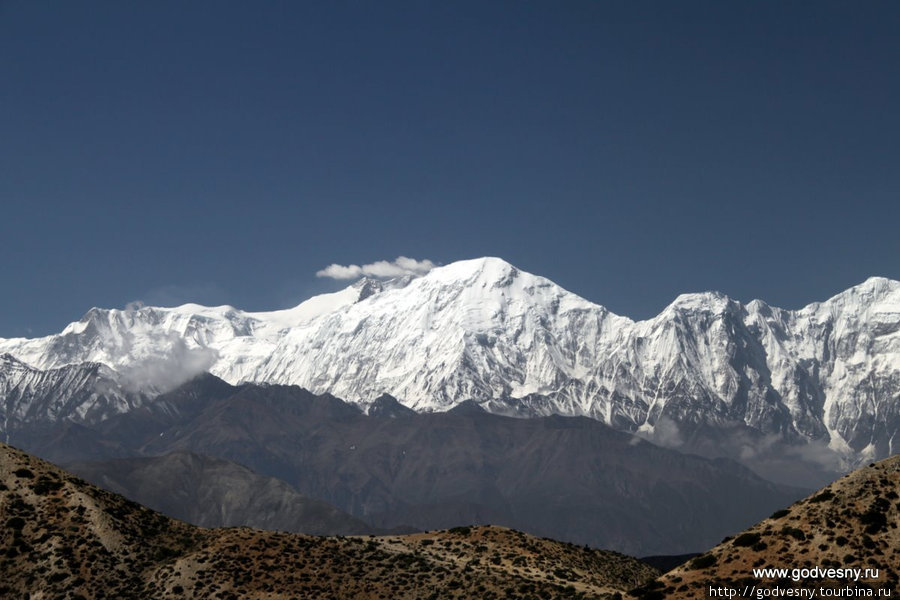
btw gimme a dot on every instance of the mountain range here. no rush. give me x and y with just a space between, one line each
65 538
773 388
569 478
212 492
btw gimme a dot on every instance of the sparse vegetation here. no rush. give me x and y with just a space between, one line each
703 561
851 523
746 539
823 496
67 539
794 532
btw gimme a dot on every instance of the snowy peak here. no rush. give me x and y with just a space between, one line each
488 266
485 330
706 302
874 290
83 392
483 275
876 287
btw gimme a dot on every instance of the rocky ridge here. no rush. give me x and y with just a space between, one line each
65 538
709 374
853 523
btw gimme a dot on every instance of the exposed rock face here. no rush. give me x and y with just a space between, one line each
83 392
708 374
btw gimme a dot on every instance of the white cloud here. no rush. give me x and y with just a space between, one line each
335 271
170 368
402 265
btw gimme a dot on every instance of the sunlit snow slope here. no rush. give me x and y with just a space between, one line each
520 344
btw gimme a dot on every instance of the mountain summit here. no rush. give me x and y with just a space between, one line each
825 378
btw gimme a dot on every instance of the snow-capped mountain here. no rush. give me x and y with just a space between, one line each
518 343
82 392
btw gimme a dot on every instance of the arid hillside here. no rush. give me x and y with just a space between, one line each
63 538
826 540
211 492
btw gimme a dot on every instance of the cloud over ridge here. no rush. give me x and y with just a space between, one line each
398 267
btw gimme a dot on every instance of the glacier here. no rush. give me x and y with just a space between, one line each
516 343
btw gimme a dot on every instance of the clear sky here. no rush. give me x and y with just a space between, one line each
224 152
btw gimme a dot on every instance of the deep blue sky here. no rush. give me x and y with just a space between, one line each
630 151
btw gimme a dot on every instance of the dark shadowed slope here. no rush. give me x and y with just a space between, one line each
64 441
569 478
65 538
566 478
212 492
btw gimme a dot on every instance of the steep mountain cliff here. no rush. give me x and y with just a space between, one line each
820 383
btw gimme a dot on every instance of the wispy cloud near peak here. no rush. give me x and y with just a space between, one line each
398 267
